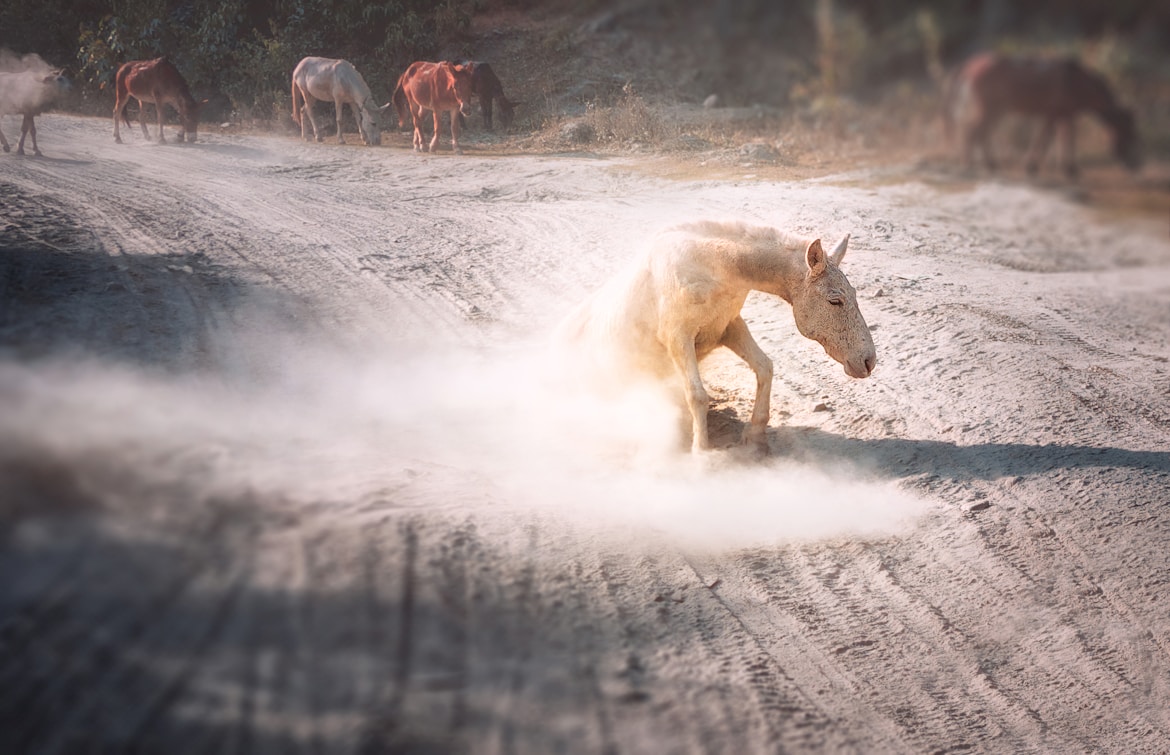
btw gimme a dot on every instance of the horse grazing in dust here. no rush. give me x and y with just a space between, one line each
337 81
486 87
159 82
438 87
29 93
989 86
681 299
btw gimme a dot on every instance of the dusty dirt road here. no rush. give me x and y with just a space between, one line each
283 469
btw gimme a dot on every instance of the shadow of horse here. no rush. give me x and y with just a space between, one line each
906 457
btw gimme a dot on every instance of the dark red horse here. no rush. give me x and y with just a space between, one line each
486 86
989 86
159 82
438 87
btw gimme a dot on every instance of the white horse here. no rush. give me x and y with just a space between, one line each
337 81
29 93
682 298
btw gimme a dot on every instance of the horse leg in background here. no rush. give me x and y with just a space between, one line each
28 127
980 134
1069 143
160 111
308 110
416 114
740 341
455 133
340 109
485 106
4 142
142 118
682 352
438 118
1040 146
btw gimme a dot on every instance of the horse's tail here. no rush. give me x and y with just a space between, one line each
401 106
296 102
121 95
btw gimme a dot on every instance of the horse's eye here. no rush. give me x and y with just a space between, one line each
837 301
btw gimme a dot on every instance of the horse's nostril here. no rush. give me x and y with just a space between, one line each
869 363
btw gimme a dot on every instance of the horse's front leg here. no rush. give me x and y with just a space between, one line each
455 132
1040 146
160 111
681 348
340 106
438 124
27 127
3 141
739 340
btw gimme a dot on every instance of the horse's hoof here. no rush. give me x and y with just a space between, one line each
117 140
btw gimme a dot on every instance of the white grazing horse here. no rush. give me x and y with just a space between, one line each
681 299
335 81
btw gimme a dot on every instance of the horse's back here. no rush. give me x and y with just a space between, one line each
142 78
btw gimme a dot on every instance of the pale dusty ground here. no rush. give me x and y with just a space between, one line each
282 468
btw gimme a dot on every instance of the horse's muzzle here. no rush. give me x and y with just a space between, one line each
860 368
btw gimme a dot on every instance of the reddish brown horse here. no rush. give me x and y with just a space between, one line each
989 86
159 82
438 87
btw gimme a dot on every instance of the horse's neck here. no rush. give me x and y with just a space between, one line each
771 269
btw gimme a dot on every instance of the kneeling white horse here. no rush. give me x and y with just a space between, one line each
682 298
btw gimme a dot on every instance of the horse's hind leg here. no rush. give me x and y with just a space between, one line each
312 121
28 128
682 352
739 340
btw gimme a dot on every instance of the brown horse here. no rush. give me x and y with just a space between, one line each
486 86
438 87
159 82
989 86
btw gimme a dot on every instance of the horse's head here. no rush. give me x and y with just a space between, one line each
825 309
370 125
507 111
57 82
1126 144
189 116
462 85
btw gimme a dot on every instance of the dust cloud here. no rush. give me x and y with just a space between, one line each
492 428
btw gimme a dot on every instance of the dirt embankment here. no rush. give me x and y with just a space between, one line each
283 468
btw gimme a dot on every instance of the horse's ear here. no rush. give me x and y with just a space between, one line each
815 257
838 252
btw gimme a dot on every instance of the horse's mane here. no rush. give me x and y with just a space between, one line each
740 231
